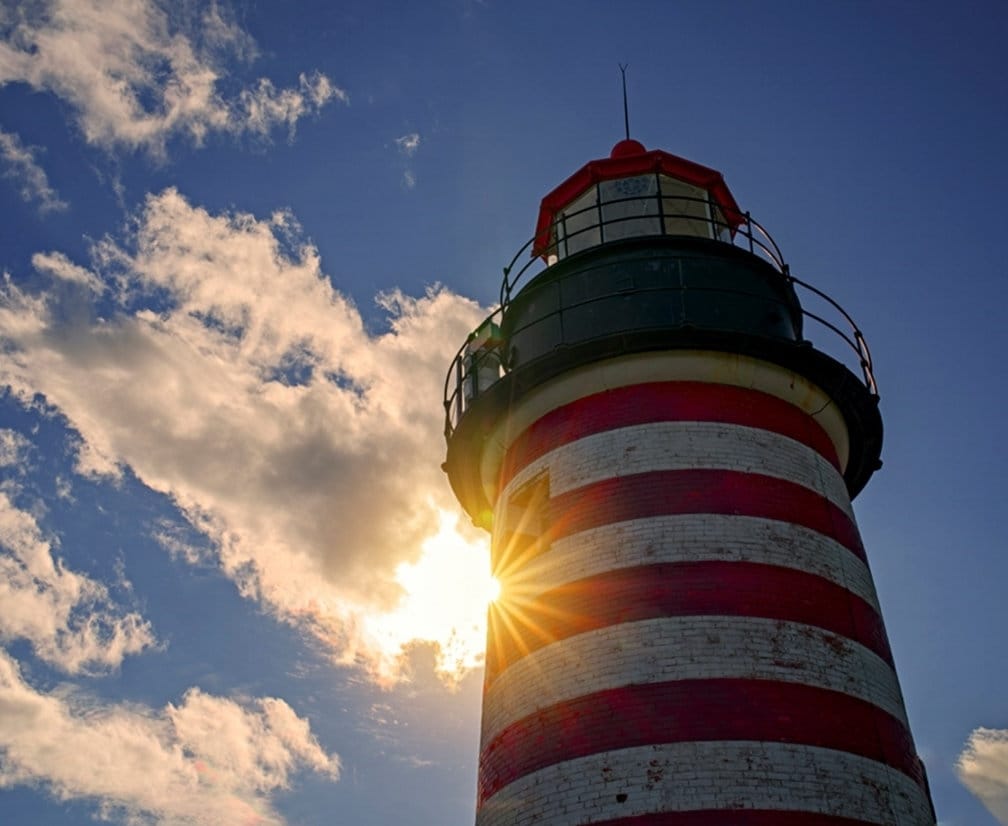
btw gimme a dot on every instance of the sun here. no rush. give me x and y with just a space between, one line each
445 597
493 589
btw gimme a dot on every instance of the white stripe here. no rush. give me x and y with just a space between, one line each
709 775
668 649
685 446
732 369
691 538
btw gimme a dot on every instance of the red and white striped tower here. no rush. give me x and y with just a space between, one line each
688 632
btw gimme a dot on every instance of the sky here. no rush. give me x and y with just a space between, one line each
241 243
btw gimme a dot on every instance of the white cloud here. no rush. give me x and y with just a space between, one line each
60 267
67 617
206 761
241 384
983 768
64 489
408 144
13 447
135 75
22 167
172 538
265 106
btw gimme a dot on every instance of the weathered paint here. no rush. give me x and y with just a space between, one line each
688 632
717 783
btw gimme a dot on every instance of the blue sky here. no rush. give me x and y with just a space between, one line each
241 244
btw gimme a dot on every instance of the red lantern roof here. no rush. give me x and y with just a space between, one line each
627 159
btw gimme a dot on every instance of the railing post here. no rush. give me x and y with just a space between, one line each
748 220
661 205
458 389
601 220
866 365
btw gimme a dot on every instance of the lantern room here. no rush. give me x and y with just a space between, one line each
634 192
639 253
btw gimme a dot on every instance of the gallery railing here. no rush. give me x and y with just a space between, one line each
483 359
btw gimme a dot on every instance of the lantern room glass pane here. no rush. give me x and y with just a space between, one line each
577 225
721 229
686 209
630 207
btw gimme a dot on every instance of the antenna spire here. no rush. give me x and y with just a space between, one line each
626 111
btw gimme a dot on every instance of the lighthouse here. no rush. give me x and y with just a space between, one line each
664 441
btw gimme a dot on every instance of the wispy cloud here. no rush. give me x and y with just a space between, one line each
408 144
62 268
242 385
136 76
206 761
13 447
983 768
67 617
22 167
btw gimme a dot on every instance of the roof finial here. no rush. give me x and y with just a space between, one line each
626 112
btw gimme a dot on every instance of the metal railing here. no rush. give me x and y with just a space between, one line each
473 372
665 212
855 338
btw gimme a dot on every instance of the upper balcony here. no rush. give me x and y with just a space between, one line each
630 241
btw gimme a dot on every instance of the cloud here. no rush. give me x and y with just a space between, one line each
22 167
67 617
983 769
265 106
13 447
408 144
135 75
60 267
236 380
174 539
206 761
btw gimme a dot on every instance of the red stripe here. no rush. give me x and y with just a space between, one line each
737 817
699 490
675 589
661 402
696 710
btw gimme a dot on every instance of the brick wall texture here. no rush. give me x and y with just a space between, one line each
688 632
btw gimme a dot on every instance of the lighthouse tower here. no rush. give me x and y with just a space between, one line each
688 633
